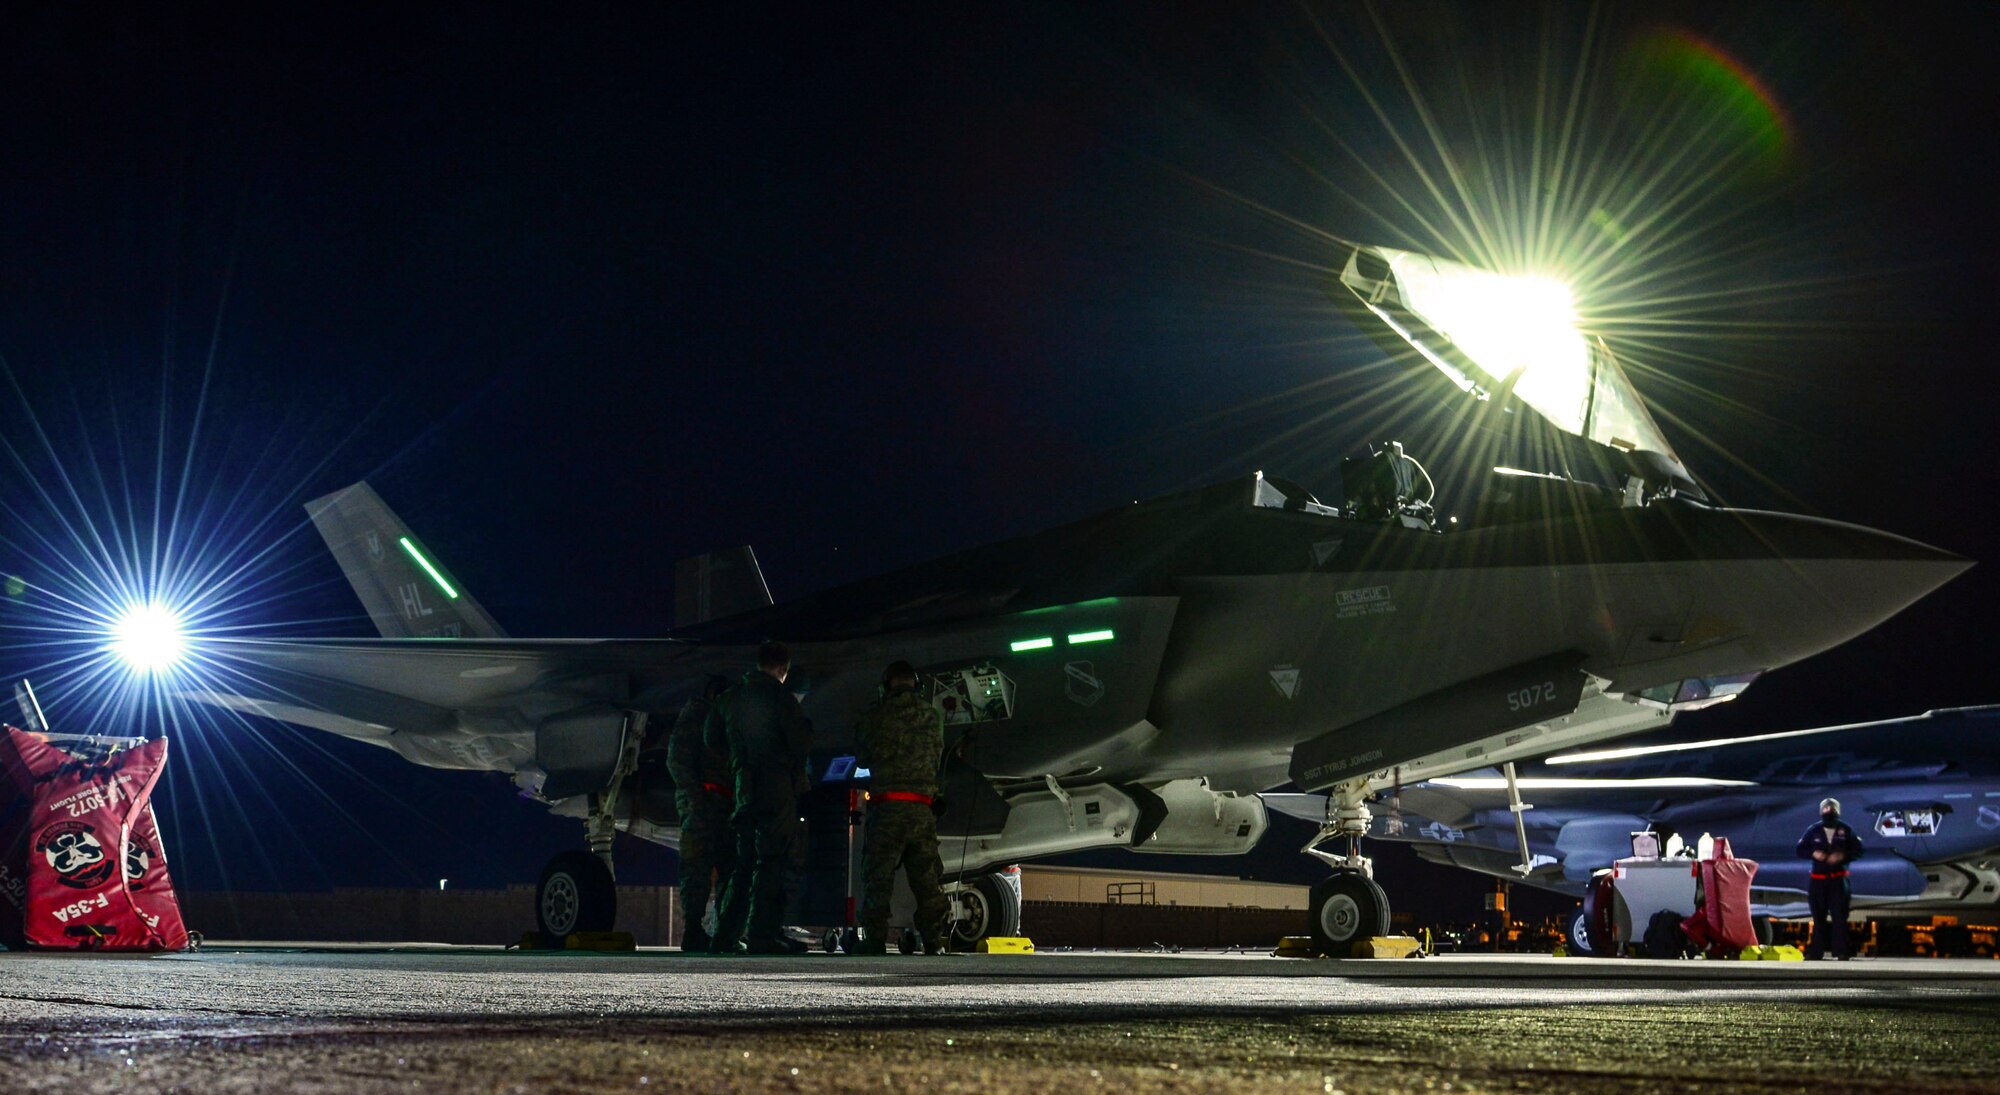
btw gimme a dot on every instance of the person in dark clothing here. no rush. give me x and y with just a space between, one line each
768 739
698 759
1831 846
899 741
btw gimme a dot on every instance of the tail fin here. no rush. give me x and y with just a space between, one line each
405 589
723 583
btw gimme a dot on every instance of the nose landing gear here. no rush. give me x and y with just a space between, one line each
1347 906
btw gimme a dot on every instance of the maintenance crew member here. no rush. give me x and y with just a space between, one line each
899 741
1831 846
698 759
768 740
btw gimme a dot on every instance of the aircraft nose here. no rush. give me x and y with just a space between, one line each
1807 584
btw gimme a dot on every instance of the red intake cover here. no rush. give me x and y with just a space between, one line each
152 889
26 761
78 894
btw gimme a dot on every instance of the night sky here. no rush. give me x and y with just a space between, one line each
581 292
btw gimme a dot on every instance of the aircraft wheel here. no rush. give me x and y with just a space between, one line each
576 894
983 907
1579 934
1346 908
1762 925
1596 919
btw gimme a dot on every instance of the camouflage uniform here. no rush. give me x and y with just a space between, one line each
698 759
768 739
899 742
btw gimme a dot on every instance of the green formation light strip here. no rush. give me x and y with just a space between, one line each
1075 638
428 568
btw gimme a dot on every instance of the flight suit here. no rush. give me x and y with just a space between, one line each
768 740
698 759
899 742
1827 891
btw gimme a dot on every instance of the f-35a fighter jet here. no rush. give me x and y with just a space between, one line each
1135 679
1923 792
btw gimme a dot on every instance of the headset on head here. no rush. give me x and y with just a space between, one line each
898 670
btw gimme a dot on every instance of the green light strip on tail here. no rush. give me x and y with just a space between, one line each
428 568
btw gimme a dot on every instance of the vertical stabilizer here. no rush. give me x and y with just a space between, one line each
407 591
723 583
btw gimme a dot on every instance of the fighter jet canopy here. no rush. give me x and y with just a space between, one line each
1503 337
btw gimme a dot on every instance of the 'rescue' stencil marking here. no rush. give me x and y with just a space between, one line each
1285 679
1366 601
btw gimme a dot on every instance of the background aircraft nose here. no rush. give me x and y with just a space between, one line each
1804 584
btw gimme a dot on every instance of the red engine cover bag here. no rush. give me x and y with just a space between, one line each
1725 888
26 762
152 889
78 894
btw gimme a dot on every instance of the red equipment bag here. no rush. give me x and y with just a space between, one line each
92 846
25 762
1721 925
152 888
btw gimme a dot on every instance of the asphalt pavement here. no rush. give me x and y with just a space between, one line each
476 1019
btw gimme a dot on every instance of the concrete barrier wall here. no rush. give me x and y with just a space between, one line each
650 913
1093 884
1095 924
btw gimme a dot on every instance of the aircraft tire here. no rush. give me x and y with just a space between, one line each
576 894
1762 925
992 909
1597 922
1345 908
1579 934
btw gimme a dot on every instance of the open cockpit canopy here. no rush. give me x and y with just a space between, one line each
1513 339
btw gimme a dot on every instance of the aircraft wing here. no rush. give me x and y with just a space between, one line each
475 704
1456 800
1962 740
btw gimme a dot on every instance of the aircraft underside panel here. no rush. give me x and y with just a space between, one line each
1040 823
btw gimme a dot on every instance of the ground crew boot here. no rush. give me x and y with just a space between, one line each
694 941
871 941
775 944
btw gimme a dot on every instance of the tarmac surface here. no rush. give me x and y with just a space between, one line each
475 1019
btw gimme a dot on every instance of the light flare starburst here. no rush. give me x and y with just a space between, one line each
149 637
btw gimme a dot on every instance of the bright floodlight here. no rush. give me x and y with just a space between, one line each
1522 329
148 637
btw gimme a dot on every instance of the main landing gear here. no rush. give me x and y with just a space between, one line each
577 892
1347 906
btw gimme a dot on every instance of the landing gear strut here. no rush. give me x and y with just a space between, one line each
577 892
1347 906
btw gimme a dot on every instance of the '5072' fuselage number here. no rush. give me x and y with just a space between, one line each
1532 696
